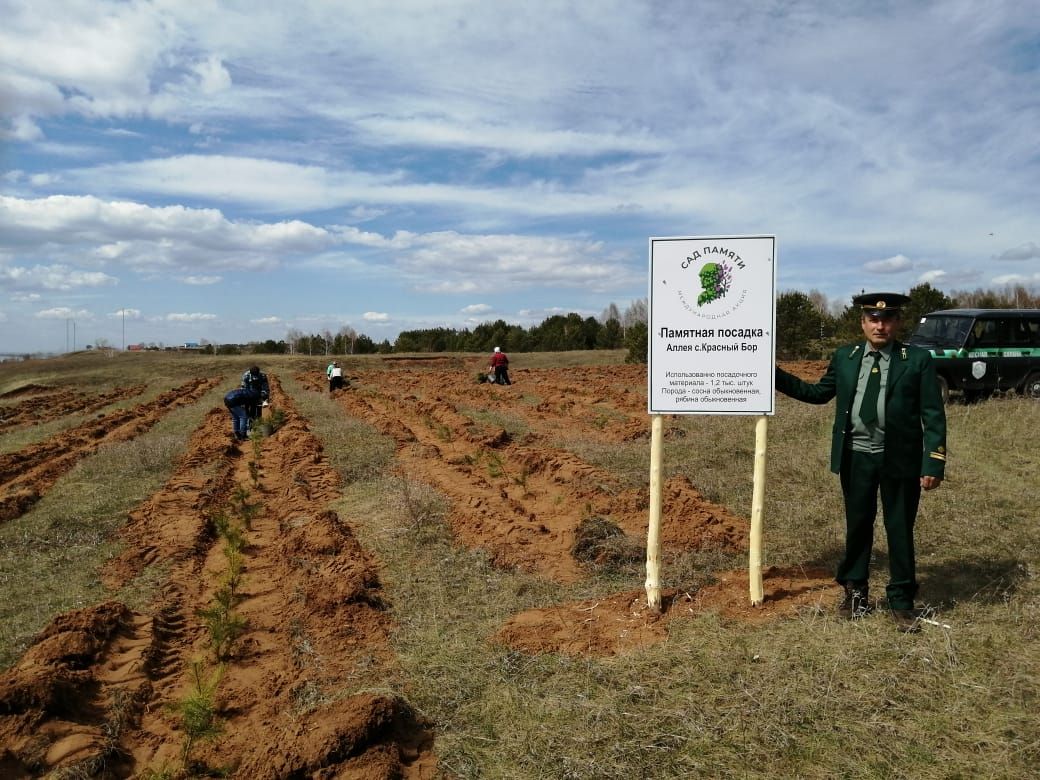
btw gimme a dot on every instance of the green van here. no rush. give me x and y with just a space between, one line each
978 351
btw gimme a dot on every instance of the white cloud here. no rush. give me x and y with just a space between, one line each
449 287
890 265
476 308
931 277
64 312
365 213
1027 251
194 317
1015 279
268 321
268 184
129 314
19 128
213 76
121 132
543 313
465 263
149 238
520 140
174 238
52 277
375 316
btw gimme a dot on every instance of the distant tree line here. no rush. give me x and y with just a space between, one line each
808 327
613 329
558 333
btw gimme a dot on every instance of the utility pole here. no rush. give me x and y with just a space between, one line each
124 329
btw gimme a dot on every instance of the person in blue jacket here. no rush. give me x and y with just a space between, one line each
254 379
238 402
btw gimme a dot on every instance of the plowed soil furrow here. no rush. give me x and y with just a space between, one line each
59 403
607 404
31 389
27 474
523 502
99 692
172 524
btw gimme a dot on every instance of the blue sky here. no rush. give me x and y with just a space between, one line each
174 171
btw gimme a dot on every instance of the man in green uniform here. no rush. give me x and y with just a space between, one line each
889 438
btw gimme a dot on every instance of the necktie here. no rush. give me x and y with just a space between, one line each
868 409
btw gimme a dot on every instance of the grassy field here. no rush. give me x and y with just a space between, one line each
810 697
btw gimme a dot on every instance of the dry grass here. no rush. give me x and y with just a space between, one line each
810 697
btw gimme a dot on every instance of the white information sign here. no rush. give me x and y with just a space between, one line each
712 319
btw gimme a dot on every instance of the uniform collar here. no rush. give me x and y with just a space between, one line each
886 351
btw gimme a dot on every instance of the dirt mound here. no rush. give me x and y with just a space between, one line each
623 622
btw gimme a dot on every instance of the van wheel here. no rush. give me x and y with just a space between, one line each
944 389
973 396
1031 387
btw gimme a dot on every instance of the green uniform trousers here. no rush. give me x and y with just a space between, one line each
861 482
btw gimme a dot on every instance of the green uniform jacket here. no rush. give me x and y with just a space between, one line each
915 419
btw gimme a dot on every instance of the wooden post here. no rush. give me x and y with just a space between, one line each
758 491
653 533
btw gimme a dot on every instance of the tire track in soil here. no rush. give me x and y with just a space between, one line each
94 692
27 474
56 403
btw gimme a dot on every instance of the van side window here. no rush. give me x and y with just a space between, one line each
986 333
1033 331
1021 335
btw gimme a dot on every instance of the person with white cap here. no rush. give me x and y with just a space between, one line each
500 365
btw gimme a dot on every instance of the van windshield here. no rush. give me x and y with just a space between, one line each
942 331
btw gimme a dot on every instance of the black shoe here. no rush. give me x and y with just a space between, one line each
855 603
906 620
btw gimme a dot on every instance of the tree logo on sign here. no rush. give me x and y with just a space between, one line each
717 266
715 281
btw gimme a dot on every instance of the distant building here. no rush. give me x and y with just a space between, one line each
134 347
